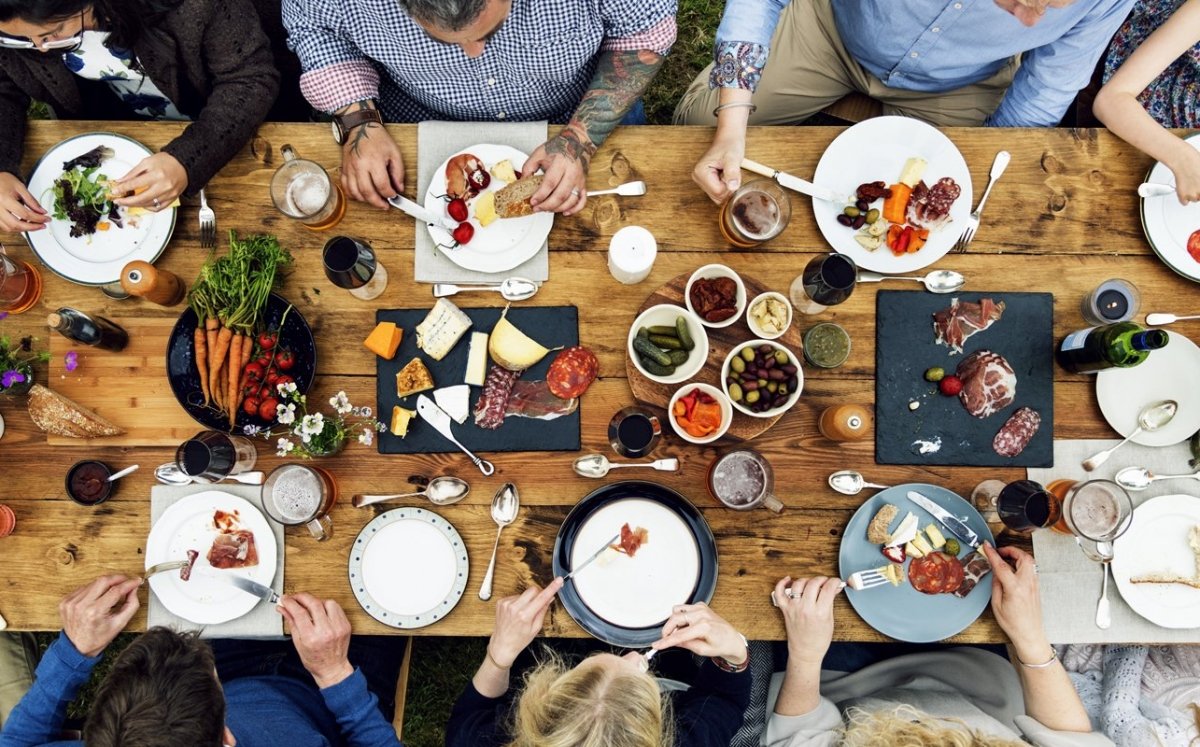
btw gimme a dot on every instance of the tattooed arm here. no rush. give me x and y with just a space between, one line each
619 80
372 169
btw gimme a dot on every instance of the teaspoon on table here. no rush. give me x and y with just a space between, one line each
170 474
1158 320
1152 417
118 475
628 189
598 465
441 491
505 505
512 289
1139 478
937 281
849 482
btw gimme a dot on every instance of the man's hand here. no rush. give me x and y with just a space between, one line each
807 606
518 621
1016 602
372 169
93 615
321 634
719 170
19 210
698 629
564 159
154 183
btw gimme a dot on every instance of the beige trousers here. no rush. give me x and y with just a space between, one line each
18 659
809 69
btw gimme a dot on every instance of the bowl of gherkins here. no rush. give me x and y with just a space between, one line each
668 344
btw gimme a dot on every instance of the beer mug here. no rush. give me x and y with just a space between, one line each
298 494
302 190
757 212
743 480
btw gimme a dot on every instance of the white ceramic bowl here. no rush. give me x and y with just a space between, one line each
722 401
753 324
666 314
716 271
792 396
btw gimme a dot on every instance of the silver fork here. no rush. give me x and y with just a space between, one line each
868 579
998 167
208 224
170 565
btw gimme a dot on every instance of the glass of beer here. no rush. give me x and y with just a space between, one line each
20 284
302 190
757 212
352 264
1097 510
743 480
299 494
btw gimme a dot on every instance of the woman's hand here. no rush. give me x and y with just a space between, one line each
153 184
698 629
518 621
807 607
1186 168
19 210
719 171
1016 602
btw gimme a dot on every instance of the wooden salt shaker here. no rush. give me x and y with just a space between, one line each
143 279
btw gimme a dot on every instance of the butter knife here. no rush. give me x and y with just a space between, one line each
796 184
246 585
956 525
593 556
405 205
438 418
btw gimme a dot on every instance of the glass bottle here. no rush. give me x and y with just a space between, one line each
1119 345
89 330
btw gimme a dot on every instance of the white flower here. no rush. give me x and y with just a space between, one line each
366 412
250 429
285 414
341 403
366 437
306 438
286 388
285 446
312 424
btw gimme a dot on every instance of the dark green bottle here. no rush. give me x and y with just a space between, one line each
1119 345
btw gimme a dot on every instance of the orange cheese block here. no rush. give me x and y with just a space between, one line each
384 340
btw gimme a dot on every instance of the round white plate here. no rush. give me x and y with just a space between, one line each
188 525
1157 542
506 242
1168 224
663 571
408 568
99 258
875 150
1169 373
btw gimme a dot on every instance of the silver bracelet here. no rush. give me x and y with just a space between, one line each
753 107
1053 658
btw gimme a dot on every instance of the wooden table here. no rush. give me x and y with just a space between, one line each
1063 219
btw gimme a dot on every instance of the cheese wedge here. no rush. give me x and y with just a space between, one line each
443 327
477 359
505 172
485 209
384 340
401 419
455 400
936 538
413 378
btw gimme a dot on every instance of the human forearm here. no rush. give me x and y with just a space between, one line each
620 79
39 716
1050 697
1127 119
801 689
491 679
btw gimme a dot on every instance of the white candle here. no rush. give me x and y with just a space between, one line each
631 254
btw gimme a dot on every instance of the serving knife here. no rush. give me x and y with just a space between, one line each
405 205
796 184
438 418
957 526
593 556
246 585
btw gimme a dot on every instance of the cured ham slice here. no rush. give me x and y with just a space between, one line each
976 567
954 324
929 207
533 399
185 572
989 383
631 540
233 550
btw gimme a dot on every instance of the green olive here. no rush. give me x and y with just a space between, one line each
737 364
851 212
781 358
735 392
762 382
872 215
747 354
752 397
935 374
772 386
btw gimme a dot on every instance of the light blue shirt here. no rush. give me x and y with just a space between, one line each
941 45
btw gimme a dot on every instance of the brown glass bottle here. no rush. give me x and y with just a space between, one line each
89 330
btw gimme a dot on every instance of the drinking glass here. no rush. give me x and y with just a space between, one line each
1025 505
826 281
757 212
299 494
302 190
20 284
352 264
211 456
634 432
1097 510
743 480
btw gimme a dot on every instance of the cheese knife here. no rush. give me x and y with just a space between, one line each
438 418
956 525
796 184
405 205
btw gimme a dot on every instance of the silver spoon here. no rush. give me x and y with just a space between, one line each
628 189
170 474
505 504
1152 417
1139 478
118 475
937 281
1103 614
512 289
441 491
1158 320
598 465
849 482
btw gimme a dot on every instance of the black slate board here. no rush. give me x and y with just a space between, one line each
552 326
905 348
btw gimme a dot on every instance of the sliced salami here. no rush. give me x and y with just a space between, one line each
929 207
977 566
1016 433
572 372
497 387
936 573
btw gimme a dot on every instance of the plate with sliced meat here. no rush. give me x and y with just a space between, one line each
665 555
228 536
933 596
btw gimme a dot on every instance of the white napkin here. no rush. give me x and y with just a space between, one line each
1069 582
260 622
436 142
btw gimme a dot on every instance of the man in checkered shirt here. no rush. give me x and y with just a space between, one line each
584 63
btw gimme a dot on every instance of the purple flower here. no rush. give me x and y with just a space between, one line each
71 360
3 315
11 377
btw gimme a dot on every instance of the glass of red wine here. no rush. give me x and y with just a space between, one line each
634 432
1025 505
211 456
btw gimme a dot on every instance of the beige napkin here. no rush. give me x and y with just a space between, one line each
1070 583
260 622
436 142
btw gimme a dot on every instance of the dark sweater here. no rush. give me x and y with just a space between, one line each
209 57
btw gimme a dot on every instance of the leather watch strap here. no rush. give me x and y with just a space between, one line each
358 118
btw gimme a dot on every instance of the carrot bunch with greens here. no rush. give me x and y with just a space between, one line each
228 299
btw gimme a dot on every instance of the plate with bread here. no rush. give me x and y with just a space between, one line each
1156 563
484 189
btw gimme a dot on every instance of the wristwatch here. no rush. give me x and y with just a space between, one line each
343 123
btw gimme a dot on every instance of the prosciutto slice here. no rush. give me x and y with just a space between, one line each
233 550
533 399
953 325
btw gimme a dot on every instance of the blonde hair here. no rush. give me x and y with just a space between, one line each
905 726
589 706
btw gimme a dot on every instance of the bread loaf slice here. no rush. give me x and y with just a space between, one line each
513 200
59 416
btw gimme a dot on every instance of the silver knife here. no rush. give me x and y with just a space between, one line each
405 205
438 418
246 585
594 555
957 526
796 184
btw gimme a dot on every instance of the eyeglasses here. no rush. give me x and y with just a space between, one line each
69 44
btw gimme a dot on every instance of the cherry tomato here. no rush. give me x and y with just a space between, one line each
284 379
285 359
263 360
250 388
266 410
253 371
1193 245
272 379
463 233
250 405
457 209
950 385
264 391
266 340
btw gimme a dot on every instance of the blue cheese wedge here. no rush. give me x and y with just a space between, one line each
443 327
455 400
477 359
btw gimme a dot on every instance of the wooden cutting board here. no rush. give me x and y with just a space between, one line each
129 388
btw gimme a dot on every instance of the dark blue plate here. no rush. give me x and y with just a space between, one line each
706 580
296 336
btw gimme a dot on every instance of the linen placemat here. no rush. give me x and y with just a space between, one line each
436 142
1069 582
260 622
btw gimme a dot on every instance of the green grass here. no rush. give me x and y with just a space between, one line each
441 668
697 22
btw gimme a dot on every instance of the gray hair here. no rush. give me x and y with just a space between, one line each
452 15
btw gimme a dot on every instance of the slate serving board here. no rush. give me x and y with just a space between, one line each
905 348
550 325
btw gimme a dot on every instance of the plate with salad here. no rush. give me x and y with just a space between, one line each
89 238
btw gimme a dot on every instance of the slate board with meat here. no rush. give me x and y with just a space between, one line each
552 326
906 346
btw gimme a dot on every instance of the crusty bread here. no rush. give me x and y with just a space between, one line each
1174 578
59 416
513 200
877 530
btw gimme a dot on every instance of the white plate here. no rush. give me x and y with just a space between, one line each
1157 542
1168 224
505 243
1169 373
875 150
99 258
408 568
187 525
640 591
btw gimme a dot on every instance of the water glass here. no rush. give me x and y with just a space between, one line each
743 480
353 265
302 190
757 212
299 494
826 281
211 456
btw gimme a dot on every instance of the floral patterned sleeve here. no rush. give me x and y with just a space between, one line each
738 65
743 42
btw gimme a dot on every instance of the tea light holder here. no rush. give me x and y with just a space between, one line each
631 254
1114 300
